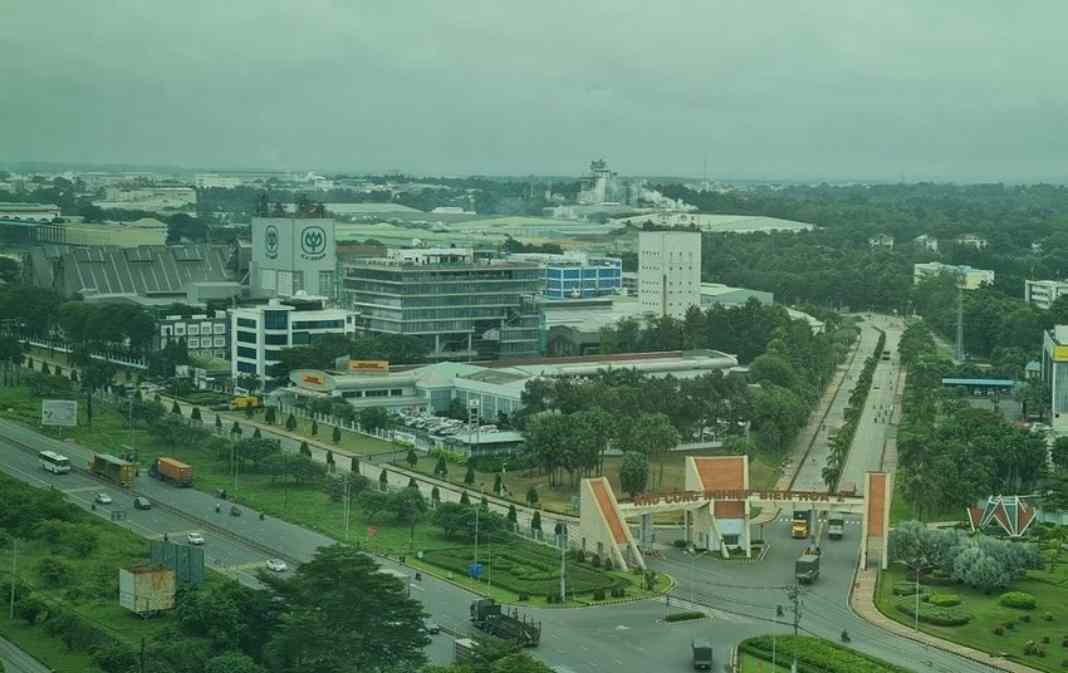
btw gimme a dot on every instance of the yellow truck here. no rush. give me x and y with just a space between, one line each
801 526
113 469
245 402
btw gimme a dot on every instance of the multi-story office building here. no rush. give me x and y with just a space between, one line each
1042 293
969 277
204 335
1055 374
669 272
261 332
291 255
459 306
577 275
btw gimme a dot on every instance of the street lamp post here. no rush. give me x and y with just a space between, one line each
14 557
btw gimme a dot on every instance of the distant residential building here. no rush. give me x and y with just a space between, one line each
1042 293
155 199
577 275
29 212
261 332
459 305
669 272
217 181
1033 370
972 241
1055 374
968 277
630 282
882 241
293 255
925 242
207 336
717 293
452 210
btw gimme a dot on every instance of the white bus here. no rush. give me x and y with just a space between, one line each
54 462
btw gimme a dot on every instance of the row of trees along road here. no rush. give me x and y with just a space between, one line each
569 422
949 453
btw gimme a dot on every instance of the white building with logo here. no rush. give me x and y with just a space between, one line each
292 255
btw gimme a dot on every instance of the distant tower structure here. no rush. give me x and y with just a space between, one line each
960 323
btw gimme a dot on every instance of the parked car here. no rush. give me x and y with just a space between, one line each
142 503
195 538
103 499
277 565
433 628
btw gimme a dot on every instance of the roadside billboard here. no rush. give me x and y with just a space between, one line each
59 412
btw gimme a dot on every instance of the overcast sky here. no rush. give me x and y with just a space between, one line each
867 89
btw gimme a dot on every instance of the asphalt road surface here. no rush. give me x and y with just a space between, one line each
15 660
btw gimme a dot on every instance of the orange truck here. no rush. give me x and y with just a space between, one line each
175 471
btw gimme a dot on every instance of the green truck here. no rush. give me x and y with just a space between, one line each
807 568
702 655
487 615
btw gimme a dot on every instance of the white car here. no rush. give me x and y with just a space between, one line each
103 499
195 538
277 565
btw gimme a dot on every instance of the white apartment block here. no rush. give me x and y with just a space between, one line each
669 272
261 332
205 336
1042 293
969 277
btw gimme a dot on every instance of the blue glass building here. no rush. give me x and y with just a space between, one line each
583 277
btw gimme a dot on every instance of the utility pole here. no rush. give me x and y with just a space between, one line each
477 508
960 322
348 505
563 569
14 556
141 667
793 592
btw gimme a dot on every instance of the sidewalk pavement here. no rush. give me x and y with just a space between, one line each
862 601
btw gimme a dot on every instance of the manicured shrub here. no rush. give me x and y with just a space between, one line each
932 614
598 595
905 588
1045 640
596 561
1026 619
1033 649
999 630
680 544
684 616
580 555
1048 617
1019 600
944 600
524 597
815 654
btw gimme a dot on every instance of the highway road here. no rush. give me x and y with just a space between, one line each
15 660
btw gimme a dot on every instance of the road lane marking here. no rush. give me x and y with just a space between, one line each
83 489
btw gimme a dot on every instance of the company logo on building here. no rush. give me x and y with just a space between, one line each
313 243
270 238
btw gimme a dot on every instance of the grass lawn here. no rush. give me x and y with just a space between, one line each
750 664
1051 591
352 442
563 498
44 647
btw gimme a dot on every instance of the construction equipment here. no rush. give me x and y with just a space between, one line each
113 469
174 471
702 655
487 615
836 525
801 527
807 568
245 402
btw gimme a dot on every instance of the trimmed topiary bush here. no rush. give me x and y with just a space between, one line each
905 588
933 614
598 595
999 630
943 600
1018 600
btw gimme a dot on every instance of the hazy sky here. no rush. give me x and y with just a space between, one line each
953 89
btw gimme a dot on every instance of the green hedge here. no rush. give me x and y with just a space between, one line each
815 655
525 569
684 616
943 600
905 588
933 614
1020 600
